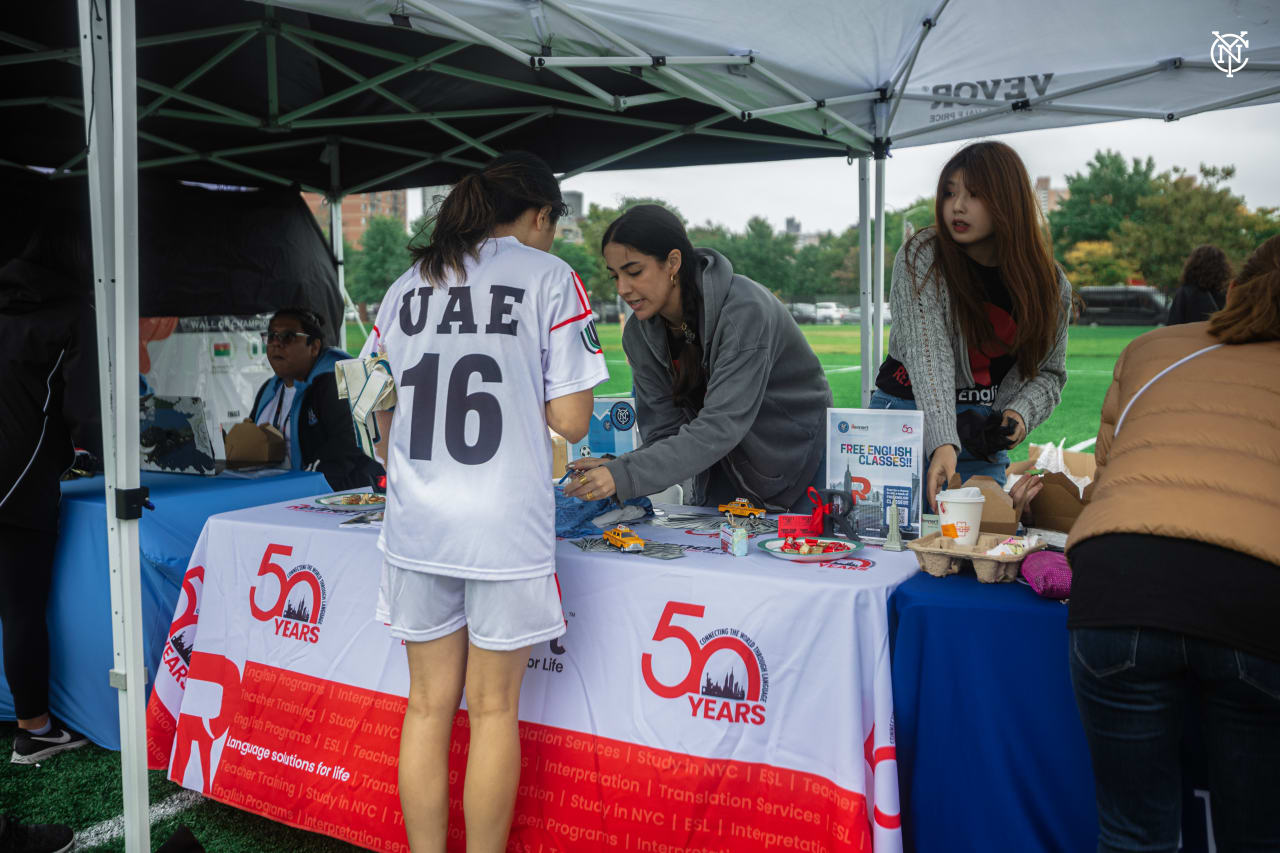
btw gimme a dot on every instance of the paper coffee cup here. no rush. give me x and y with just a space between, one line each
961 514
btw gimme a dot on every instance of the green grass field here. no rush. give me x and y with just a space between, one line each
1091 353
82 788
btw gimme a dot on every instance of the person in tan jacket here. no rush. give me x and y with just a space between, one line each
1176 574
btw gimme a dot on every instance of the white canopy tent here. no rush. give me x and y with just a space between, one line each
836 77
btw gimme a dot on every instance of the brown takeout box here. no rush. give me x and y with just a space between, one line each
250 444
1059 503
998 515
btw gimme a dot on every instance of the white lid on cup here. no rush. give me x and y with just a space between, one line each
967 495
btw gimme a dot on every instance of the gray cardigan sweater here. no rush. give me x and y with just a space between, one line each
765 408
927 340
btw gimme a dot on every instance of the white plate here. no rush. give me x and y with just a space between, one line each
335 502
773 547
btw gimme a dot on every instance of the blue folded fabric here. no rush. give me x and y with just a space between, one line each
573 515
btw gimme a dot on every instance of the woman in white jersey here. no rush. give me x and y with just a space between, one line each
488 340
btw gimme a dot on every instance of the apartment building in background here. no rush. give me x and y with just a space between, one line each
358 209
1049 197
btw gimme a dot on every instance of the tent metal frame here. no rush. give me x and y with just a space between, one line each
111 165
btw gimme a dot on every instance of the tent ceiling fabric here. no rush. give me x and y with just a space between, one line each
414 92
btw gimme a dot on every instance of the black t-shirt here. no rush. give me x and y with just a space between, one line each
988 364
1128 580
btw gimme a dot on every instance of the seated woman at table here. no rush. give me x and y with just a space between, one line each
490 340
1176 574
728 391
980 314
302 402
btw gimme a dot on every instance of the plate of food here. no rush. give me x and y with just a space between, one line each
354 501
808 549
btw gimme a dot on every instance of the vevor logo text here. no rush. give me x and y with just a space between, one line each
727 678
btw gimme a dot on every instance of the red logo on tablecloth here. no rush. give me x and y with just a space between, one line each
715 686
299 606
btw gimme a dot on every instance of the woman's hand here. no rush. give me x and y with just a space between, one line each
589 480
942 466
1023 492
1021 432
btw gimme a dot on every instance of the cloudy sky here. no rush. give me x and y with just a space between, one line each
823 193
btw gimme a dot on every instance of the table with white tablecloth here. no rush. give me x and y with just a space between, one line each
709 702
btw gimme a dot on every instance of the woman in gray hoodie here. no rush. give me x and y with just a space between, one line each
728 391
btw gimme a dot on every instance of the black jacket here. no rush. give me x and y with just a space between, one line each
321 431
48 373
1192 305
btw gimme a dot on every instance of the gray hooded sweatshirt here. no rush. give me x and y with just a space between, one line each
764 412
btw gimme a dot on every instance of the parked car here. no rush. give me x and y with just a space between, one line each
854 315
606 311
804 312
827 312
1124 305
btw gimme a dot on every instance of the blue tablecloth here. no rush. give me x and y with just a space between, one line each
991 754
80 602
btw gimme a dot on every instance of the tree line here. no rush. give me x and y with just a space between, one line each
1122 221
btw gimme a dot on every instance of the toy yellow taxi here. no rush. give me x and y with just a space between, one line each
741 507
623 538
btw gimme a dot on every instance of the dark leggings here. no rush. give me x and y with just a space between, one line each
26 573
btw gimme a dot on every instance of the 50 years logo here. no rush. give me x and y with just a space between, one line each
712 684
299 605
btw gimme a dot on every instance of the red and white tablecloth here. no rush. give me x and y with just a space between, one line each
705 703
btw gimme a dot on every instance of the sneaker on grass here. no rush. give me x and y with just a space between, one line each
34 837
29 748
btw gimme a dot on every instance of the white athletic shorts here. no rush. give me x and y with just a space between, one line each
499 615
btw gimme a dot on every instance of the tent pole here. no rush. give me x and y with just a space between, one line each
335 242
880 110
864 277
128 675
877 295
97 88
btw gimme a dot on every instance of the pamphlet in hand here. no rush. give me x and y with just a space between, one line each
877 454
613 429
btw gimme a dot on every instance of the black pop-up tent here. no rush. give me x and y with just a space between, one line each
341 97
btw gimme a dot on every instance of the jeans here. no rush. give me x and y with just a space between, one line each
967 465
1132 687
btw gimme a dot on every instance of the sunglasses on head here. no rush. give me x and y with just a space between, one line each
284 338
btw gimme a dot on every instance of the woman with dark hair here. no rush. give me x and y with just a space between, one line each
302 402
728 391
1176 574
1202 286
980 314
489 339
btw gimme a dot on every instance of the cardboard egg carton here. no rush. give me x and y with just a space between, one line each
941 556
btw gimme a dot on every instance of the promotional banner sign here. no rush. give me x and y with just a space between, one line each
878 454
220 359
708 703
613 429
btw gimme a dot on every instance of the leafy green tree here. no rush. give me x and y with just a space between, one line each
586 264
1091 263
1108 193
1183 212
384 255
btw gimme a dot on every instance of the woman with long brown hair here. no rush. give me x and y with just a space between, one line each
980 312
1176 573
